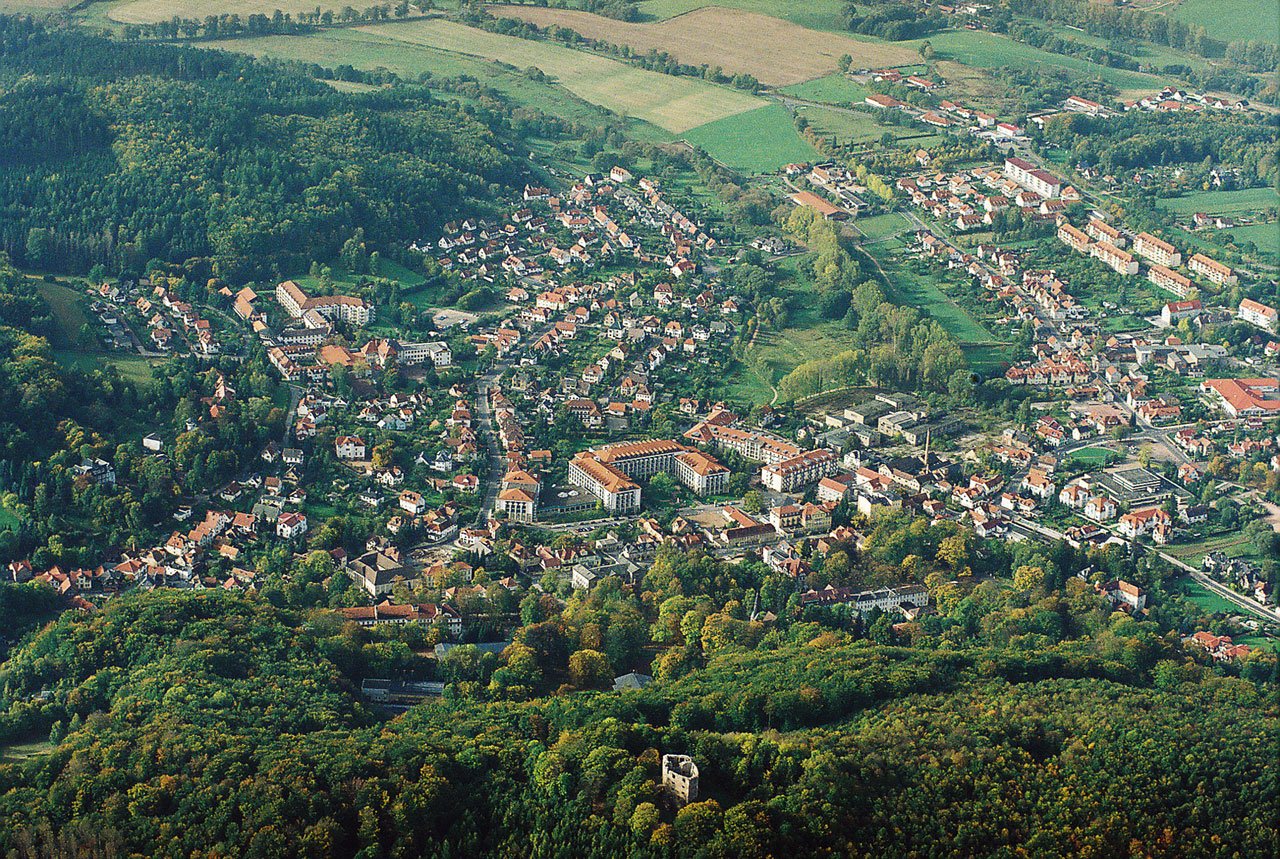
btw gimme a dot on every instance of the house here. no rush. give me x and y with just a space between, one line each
1100 508
290 525
349 447
1174 312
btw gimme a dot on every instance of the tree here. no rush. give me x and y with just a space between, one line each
752 502
589 669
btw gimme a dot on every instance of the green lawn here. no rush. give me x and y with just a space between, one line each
759 141
14 752
833 89
1092 456
985 50
986 360
1249 20
1206 599
883 226
1242 202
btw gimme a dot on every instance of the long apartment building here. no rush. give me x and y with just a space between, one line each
1169 280
1033 178
1116 259
1212 270
791 474
1257 313
298 304
1156 250
1073 237
1101 231
753 444
610 472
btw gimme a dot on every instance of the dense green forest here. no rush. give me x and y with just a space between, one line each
216 725
117 153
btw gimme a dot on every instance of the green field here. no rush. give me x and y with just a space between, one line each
68 311
816 14
1234 545
883 226
333 48
759 141
848 127
907 287
1265 236
1206 599
986 360
150 11
1092 456
1249 20
14 752
833 89
1242 202
673 103
135 368
984 50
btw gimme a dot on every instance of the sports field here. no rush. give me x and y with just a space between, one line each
151 11
759 141
1248 20
775 51
1242 202
672 103
816 14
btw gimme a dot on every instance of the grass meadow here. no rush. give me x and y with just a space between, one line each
759 141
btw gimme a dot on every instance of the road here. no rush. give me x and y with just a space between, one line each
1247 605
488 432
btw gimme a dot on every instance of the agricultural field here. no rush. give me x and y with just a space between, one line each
152 11
368 52
672 103
775 51
759 141
814 14
984 50
1249 20
833 89
32 7
1242 202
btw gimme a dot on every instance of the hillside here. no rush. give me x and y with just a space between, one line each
215 724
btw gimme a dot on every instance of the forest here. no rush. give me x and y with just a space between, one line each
218 725
130 152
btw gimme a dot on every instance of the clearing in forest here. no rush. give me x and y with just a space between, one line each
775 52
